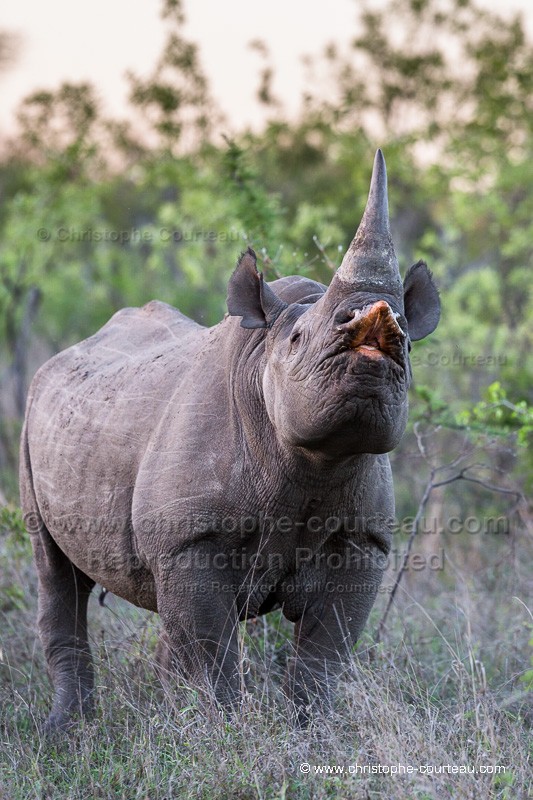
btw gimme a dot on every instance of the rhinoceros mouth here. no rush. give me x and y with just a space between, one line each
373 332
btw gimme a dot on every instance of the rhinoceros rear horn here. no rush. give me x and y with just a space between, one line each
370 262
250 297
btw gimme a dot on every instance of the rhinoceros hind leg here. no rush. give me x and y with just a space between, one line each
63 595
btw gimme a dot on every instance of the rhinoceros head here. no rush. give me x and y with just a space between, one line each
336 364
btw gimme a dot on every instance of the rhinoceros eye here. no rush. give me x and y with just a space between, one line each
295 338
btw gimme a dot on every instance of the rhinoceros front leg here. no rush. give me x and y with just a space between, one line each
196 602
328 630
63 595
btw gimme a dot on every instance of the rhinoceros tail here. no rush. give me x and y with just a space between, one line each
30 508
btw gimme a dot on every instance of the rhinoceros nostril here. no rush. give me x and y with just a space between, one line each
344 316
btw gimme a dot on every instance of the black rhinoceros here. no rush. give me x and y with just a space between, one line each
214 474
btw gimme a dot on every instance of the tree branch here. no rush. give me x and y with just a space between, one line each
430 486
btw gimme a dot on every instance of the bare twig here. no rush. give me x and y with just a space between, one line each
329 263
430 486
416 522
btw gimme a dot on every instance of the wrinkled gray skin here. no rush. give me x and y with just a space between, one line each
213 474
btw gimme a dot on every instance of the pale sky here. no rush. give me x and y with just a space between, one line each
98 42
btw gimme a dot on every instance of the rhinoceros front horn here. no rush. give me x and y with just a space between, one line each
370 263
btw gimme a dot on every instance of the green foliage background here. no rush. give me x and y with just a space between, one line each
98 213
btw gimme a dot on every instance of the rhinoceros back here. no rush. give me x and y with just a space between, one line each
91 412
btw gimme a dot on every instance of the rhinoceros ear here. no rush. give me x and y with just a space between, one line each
421 301
250 297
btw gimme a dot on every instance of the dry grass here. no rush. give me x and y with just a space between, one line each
443 688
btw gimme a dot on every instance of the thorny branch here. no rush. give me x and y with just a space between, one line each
462 474
327 260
